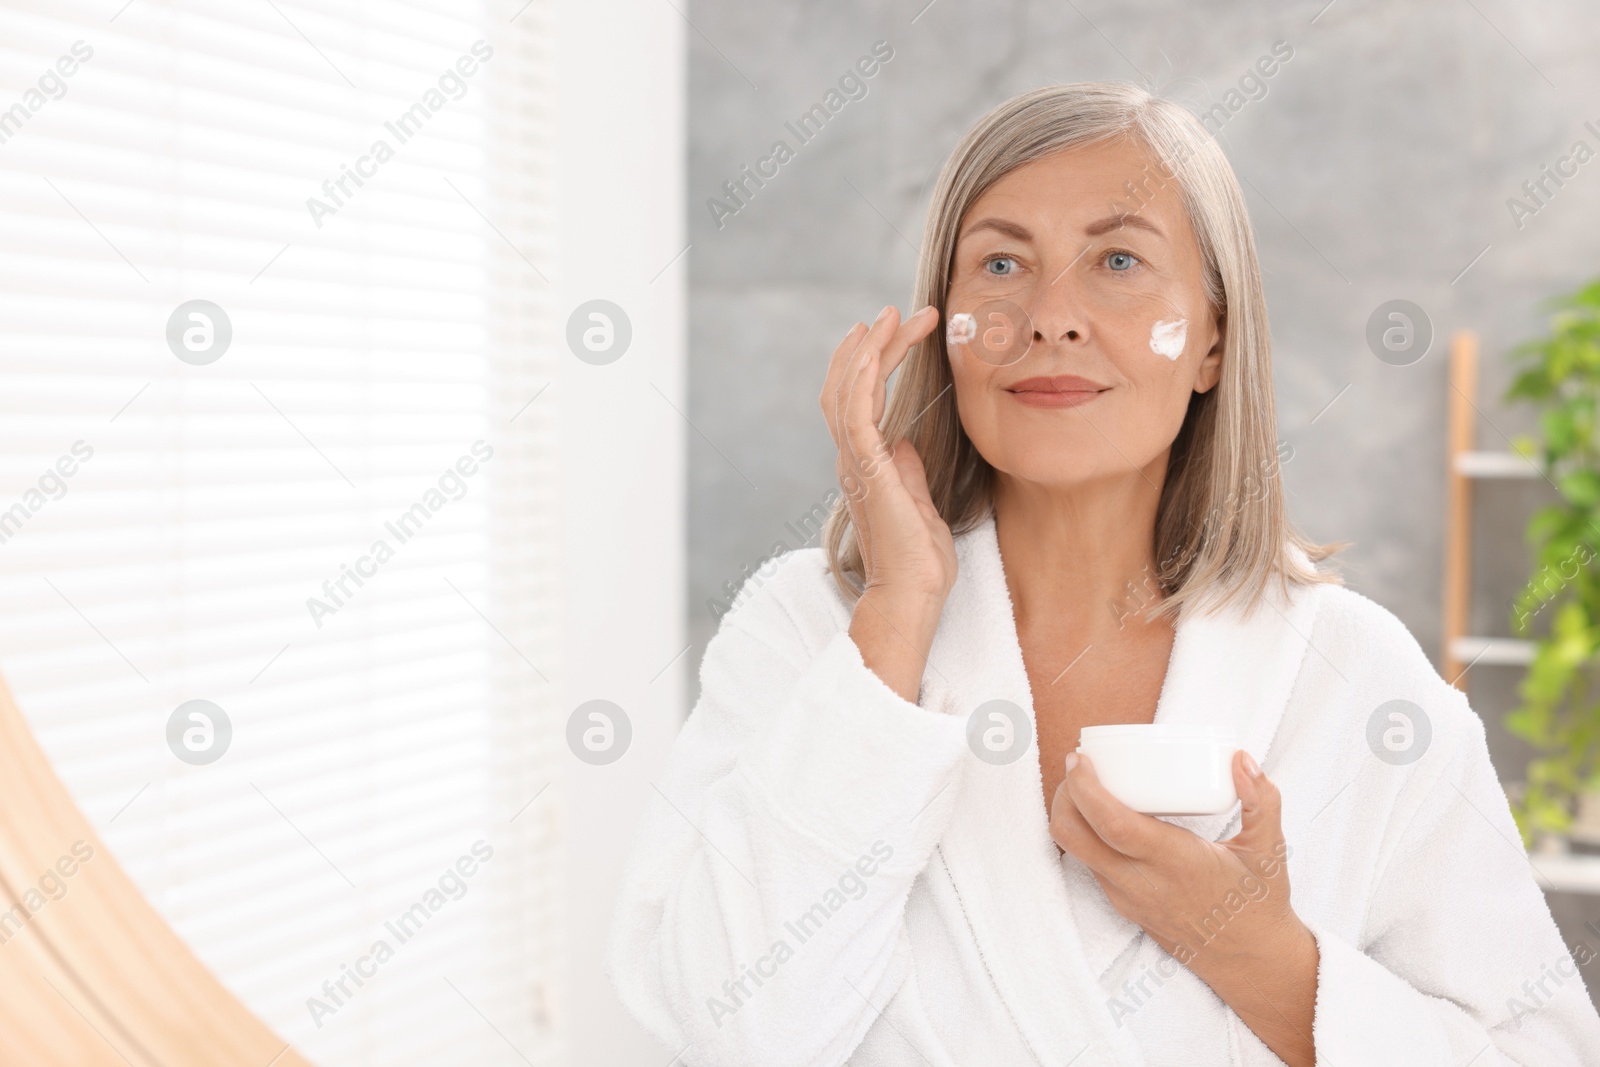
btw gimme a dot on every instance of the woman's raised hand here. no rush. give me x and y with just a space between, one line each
907 550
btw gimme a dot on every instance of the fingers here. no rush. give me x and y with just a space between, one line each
1261 821
870 343
854 395
894 351
828 400
861 403
1070 830
888 340
1127 831
866 368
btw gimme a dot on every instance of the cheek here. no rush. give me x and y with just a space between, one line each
971 383
980 406
1155 330
1148 343
1148 350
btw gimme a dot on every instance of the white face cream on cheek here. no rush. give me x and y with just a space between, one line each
961 328
1167 338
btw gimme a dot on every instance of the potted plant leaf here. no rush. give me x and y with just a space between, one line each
1559 713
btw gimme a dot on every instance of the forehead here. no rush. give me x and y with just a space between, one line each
1068 191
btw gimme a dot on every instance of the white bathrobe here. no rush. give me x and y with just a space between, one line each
827 873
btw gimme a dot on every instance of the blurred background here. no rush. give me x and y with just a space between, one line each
401 379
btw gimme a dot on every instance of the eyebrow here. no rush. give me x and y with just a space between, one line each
1116 222
1010 229
1094 229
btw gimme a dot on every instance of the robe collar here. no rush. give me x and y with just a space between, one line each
1045 928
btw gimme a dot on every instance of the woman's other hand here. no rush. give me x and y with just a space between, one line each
1221 908
907 551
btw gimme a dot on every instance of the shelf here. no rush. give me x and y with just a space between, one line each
1496 465
1493 651
1566 873
1554 871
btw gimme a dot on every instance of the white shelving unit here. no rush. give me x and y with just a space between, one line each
1556 872
1493 651
1566 873
1495 465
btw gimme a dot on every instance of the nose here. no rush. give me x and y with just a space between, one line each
1057 312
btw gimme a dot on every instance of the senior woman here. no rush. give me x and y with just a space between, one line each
1067 508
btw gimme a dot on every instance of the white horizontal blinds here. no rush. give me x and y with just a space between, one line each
359 425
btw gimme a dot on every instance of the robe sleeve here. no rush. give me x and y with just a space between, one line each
1460 961
760 918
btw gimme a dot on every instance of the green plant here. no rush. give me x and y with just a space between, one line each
1559 714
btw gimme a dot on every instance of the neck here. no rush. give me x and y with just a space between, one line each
1082 557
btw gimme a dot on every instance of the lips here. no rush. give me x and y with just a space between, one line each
1061 383
1059 391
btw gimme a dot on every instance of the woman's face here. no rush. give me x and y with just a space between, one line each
1090 325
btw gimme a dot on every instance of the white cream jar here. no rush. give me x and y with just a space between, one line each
1164 768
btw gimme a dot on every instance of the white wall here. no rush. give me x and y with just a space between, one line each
621 222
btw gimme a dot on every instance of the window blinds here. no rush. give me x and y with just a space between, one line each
273 302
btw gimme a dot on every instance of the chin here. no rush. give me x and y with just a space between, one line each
1067 458
1058 468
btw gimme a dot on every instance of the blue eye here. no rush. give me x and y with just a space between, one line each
1127 261
994 261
